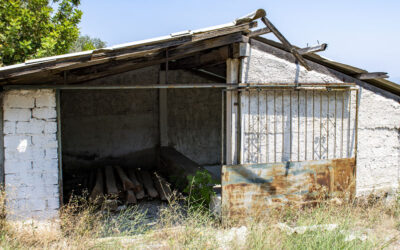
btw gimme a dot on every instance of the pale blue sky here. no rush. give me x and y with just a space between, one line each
363 33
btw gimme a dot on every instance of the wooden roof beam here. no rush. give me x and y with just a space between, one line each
120 66
285 42
371 75
259 32
313 49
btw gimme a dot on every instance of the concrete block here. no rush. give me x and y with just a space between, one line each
51 153
48 165
9 128
32 127
10 181
17 141
19 101
44 113
31 153
46 99
15 166
50 127
17 114
45 141
52 203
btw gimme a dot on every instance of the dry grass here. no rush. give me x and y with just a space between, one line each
84 226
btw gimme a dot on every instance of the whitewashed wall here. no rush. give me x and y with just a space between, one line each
378 159
30 152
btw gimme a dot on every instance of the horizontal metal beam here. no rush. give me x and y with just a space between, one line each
151 86
186 86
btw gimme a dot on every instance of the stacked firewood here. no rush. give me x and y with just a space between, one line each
128 185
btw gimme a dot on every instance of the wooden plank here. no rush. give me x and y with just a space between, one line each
110 181
259 32
120 66
313 49
162 187
371 75
285 42
97 57
201 59
126 182
148 183
138 187
249 190
130 197
225 31
98 189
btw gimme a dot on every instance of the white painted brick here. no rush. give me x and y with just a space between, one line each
49 165
9 128
52 204
17 114
14 141
50 127
15 166
31 153
11 180
46 100
51 153
19 101
45 141
35 204
32 127
44 113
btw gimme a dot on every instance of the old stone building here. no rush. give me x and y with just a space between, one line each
280 119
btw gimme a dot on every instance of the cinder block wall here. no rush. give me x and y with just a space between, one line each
30 154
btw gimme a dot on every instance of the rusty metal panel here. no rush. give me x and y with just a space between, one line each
248 189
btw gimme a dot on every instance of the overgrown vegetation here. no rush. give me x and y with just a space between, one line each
363 224
199 189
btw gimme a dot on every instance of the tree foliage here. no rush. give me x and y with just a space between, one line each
32 28
87 43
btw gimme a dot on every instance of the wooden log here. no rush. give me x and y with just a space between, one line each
110 181
148 184
130 197
138 187
98 190
126 182
162 187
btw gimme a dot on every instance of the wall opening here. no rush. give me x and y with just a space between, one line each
103 128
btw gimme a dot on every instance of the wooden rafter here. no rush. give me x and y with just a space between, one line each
285 42
371 75
119 66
